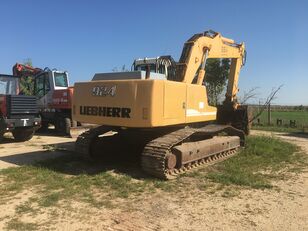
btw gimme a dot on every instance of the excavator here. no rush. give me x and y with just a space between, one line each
53 94
167 118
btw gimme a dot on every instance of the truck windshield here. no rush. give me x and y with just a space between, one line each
60 79
9 85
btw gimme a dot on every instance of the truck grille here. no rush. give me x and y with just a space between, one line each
22 104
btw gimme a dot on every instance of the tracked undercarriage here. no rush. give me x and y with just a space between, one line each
166 154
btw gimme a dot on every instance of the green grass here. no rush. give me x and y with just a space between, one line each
59 182
52 147
301 118
279 129
261 161
25 208
16 224
68 178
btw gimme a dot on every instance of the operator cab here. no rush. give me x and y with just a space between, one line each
160 68
163 65
50 80
9 85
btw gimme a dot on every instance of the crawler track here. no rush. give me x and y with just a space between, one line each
154 156
155 153
85 140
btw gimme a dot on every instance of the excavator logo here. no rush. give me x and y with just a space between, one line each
104 90
105 111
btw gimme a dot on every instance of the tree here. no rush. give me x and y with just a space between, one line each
27 82
216 76
248 95
268 101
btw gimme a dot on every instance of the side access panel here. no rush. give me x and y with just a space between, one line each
174 102
197 108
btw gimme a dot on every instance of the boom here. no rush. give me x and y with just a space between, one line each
25 70
206 45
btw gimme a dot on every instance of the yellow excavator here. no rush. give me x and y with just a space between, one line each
170 120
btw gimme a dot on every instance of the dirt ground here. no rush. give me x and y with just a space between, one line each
251 209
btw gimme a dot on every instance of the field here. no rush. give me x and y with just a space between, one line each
46 186
300 118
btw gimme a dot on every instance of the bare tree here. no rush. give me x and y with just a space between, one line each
251 94
122 69
269 99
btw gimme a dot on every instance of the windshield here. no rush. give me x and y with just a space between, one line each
9 85
60 79
144 67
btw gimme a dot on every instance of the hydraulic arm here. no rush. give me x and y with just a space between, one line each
25 70
206 45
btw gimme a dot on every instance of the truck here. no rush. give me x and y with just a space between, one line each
53 95
19 113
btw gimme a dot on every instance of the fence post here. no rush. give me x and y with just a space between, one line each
269 114
279 122
292 123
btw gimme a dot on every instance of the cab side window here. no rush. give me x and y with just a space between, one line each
47 84
39 86
42 85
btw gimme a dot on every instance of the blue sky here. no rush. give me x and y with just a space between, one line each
85 37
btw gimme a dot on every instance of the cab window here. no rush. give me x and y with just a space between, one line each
42 85
60 79
152 67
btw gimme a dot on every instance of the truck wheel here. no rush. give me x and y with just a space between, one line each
44 126
74 123
67 126
21 135
1 136
63 125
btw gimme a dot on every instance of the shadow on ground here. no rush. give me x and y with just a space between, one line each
74 164
49 151
8 140
63 159
31 157
296 134
49 132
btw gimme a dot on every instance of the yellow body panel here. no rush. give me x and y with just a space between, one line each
197 108
141 103
146 103
174 98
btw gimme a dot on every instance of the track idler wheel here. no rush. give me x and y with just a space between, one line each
170 161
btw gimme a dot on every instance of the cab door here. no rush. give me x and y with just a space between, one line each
42 88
